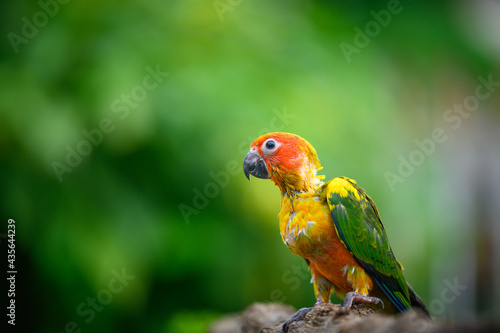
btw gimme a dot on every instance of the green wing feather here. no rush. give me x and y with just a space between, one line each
359 227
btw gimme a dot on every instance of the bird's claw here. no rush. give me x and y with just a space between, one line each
354 297
298 316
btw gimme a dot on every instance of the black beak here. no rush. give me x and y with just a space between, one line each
254 165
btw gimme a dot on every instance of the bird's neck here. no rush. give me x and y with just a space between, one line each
303 180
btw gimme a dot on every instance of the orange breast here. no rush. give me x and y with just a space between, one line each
307 229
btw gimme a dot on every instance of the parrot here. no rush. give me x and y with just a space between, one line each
334 225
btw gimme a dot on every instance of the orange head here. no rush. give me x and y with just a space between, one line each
287 159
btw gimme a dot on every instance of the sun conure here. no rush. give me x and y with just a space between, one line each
335 226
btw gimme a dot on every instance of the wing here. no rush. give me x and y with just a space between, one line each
359 228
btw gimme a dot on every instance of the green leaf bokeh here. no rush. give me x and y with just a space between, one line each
260 66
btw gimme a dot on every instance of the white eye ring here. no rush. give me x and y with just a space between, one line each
270 145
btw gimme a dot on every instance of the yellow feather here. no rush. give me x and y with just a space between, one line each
343 186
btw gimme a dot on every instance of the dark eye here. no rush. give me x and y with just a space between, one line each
270 144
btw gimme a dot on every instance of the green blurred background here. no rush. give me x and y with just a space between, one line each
131 202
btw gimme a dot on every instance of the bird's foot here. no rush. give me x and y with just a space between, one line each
358 298
298 316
